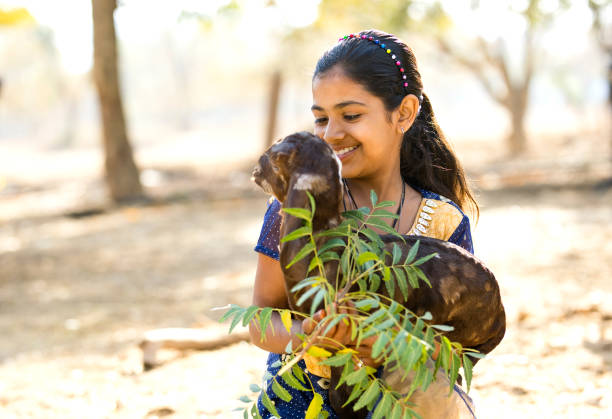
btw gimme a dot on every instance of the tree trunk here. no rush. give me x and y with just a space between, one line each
122 176
610 98
273 99
517 139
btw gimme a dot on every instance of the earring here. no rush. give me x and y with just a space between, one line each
402 130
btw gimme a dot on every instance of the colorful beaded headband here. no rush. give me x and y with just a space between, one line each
387 50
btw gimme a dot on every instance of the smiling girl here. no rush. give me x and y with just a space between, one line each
369 106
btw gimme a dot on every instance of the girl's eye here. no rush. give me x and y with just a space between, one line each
320 121
351 117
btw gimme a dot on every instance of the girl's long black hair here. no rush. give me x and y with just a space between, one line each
426 158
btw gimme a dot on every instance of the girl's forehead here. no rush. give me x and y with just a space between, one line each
334 87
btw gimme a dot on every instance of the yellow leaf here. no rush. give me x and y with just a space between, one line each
318 352
347 351
12 17
370 370
315 406
286 319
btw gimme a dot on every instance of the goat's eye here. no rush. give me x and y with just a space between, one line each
351 117
320 121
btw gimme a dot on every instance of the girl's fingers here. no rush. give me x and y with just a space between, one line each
319 315
369 342
308 325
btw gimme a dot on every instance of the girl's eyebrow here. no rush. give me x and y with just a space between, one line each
338 106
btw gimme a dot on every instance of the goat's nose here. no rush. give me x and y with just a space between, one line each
256 173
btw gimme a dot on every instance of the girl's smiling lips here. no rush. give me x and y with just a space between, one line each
345 151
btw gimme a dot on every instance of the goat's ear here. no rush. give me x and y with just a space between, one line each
281 151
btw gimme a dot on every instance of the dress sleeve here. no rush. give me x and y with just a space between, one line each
462 236
269 237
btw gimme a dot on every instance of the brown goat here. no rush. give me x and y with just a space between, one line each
463 294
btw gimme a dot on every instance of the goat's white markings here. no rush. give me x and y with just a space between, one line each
311 182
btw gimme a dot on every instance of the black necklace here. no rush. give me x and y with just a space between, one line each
399 207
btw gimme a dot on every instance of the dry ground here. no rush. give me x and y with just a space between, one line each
76 295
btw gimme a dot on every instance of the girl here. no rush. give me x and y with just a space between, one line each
369 105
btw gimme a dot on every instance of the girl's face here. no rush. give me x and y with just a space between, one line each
355 123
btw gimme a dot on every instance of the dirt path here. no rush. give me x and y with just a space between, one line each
76 296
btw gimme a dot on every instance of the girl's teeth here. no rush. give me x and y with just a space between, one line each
346 150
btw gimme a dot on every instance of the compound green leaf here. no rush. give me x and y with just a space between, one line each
373 197
467 370
383 407
338 360
316 301
397 254
302 213
292 381
368 396
330 244
233 309
306 282
373 236
357 376
366 257
383 214
280 391
443 327
396 413
384 204
307 295
249 314
304 251
390 286
236 319
425 259
412 252
380 345
297 233
422 276
269 404
264 320
313 206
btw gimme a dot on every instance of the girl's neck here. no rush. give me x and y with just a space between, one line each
388 187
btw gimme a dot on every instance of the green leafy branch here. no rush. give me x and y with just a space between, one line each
405 341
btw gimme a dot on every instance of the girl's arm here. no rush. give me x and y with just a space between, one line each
269 291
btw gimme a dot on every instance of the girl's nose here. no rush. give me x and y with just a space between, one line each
333 132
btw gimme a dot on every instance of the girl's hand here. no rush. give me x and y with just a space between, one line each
339 336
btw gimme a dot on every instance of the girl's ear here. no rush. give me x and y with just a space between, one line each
407 112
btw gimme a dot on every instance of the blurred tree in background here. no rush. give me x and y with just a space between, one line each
507 83
38 40
603 34
233 10
122 175
14 17
177 82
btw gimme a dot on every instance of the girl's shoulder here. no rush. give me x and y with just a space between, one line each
441 218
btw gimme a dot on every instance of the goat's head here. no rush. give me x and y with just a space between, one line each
300 161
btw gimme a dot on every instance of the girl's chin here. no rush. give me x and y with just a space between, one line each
349 172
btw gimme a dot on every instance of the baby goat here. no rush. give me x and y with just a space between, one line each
463 294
